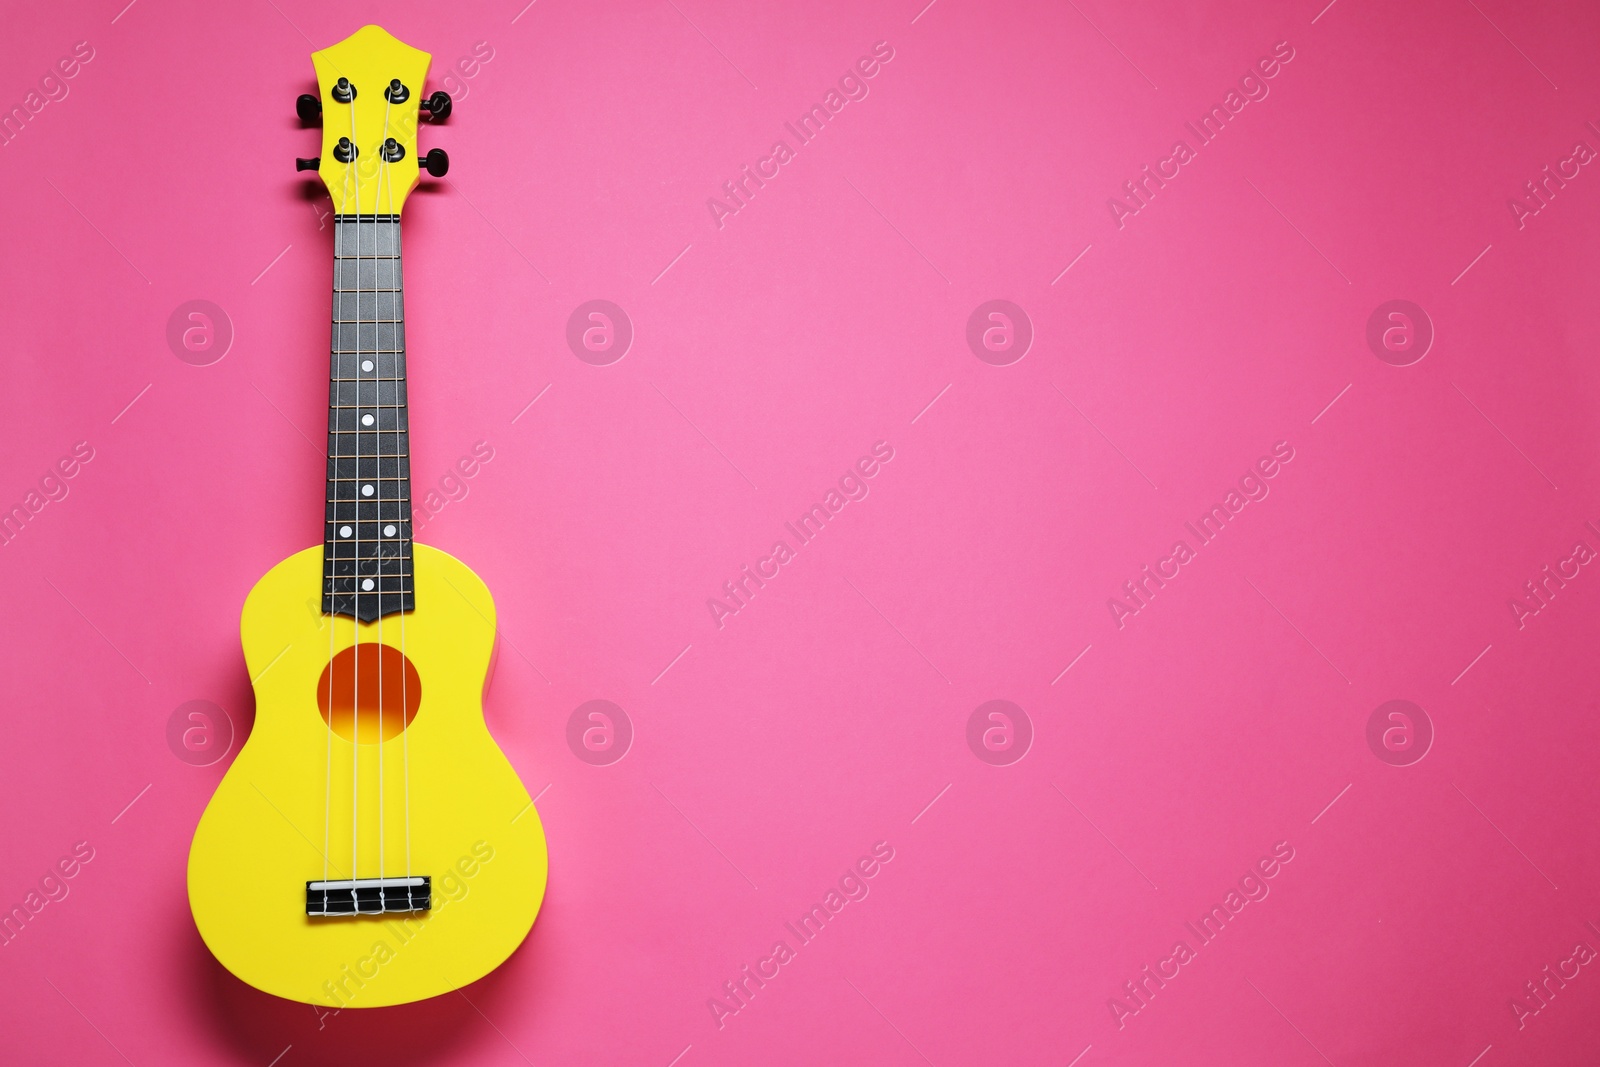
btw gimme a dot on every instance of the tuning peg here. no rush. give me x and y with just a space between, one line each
435 162
308 107
437 106
313 163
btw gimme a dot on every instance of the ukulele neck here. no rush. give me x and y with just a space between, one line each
367 560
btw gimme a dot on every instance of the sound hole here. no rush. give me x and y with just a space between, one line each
363 681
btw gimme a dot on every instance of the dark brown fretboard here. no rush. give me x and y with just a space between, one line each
366 556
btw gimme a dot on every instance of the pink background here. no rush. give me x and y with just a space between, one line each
826 715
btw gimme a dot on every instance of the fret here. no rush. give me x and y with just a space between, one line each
365 522
367 235
366 275
388 477
368 338
346 602
370 583
367 559
347 575
370 547
373 604
396 595
390 556
386 366
387 604
374 420
369 467
363 403
369 522
363 529
368 307
348 567
349 578
367 393
367 438
381 583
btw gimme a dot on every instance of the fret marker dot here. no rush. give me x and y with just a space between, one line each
366 364
366 420
388 531
366 490
366 585
345 531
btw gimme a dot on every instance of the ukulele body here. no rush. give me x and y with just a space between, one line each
449 796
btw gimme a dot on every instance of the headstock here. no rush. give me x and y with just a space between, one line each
371 96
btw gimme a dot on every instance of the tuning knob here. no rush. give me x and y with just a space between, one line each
313 163
437 106
435 163
308 107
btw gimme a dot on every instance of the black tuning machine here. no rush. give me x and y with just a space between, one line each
309 108
437 106
435 162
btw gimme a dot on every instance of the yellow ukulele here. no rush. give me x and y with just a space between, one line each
371 844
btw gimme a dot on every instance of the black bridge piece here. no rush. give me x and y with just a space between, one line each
369 896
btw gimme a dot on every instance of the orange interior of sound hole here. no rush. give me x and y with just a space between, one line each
363 681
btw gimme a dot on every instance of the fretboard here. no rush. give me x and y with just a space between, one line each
366 556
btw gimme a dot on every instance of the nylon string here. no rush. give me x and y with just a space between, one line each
355 620
383 178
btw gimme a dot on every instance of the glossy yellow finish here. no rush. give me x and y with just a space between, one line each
472 826
369 58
